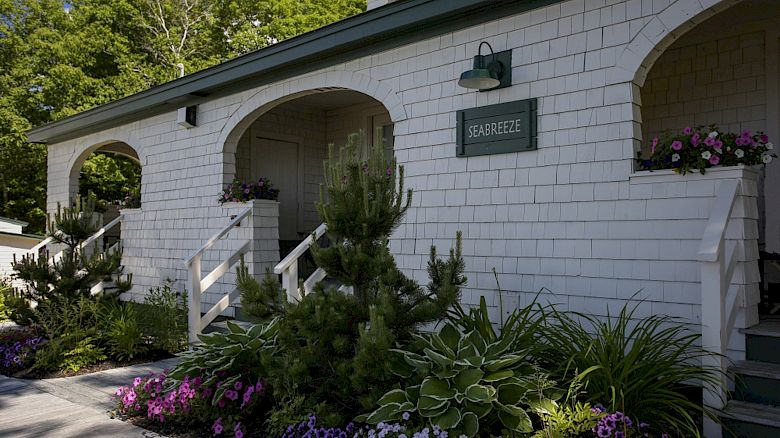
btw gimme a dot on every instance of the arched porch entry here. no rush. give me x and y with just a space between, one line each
109 174
287 140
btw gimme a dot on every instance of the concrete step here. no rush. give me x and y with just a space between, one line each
750 420
757 382
762 342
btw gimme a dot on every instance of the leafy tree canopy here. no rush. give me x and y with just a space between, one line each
58 58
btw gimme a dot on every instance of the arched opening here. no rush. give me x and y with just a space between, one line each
110 176
287 142
724 71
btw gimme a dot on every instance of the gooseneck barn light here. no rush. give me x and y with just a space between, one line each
489 71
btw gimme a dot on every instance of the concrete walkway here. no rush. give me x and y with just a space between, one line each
70 406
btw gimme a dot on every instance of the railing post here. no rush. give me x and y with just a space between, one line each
290 282
193 314
713 314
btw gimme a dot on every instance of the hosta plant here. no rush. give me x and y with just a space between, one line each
229 357
467 385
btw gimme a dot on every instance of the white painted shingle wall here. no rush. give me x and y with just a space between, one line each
567 218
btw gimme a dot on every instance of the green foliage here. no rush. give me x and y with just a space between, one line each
258 300
164 318
361 206
570 418
468 384
639 366
241 355
79 268
121 329
17 309
5 311
54 63
286 411
83 355
111 178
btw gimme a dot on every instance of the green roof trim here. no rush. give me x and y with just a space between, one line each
389 26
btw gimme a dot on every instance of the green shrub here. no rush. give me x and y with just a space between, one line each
570 418
165 318
640 366
85 354
240 354
258 300
121 329
4 290
16 308
467 384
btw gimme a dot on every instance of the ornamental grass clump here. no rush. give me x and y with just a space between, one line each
643 367
696 149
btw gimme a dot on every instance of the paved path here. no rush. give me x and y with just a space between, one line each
69 406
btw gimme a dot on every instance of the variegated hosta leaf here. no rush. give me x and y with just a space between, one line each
394 396
428 404
470 424
480 409
467 377
497 376
436 389
445 374
451 336
449 419
511 393
439 359
540 405
478 393
504 362
387 412
441 347
514 418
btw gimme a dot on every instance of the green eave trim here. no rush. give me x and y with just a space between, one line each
392 25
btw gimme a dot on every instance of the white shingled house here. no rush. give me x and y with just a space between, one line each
537 170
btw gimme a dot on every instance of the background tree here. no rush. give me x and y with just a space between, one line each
58 58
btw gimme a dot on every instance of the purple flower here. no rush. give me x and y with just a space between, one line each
136 381
231 395
677 145
217 427
696 139
688 131
763 138
714 160
237 430
238 385
709 141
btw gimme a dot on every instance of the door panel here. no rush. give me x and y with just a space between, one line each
278 160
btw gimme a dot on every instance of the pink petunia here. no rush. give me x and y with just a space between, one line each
696 139
718 145
764 138
655 143
677 145
688 131
714 160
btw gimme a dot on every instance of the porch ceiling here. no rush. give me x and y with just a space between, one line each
385 27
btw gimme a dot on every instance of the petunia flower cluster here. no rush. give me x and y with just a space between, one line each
17 349
697 149
161 400
619 425
309 429
238 191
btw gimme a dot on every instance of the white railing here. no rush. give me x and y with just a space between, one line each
36 250
199 284
718 310
288 267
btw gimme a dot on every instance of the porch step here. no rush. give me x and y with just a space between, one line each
749 420
757 382
762 342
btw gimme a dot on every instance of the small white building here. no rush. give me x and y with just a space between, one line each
564 212
13 241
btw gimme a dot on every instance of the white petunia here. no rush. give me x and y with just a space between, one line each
713 134
675 158
770 146
706 155
739 153
766 159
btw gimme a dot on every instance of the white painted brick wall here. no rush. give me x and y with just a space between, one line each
567 217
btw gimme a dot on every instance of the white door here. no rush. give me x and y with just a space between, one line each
278 160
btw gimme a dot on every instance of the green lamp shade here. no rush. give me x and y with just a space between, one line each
479 79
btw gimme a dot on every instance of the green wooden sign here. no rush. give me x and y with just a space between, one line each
497 129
